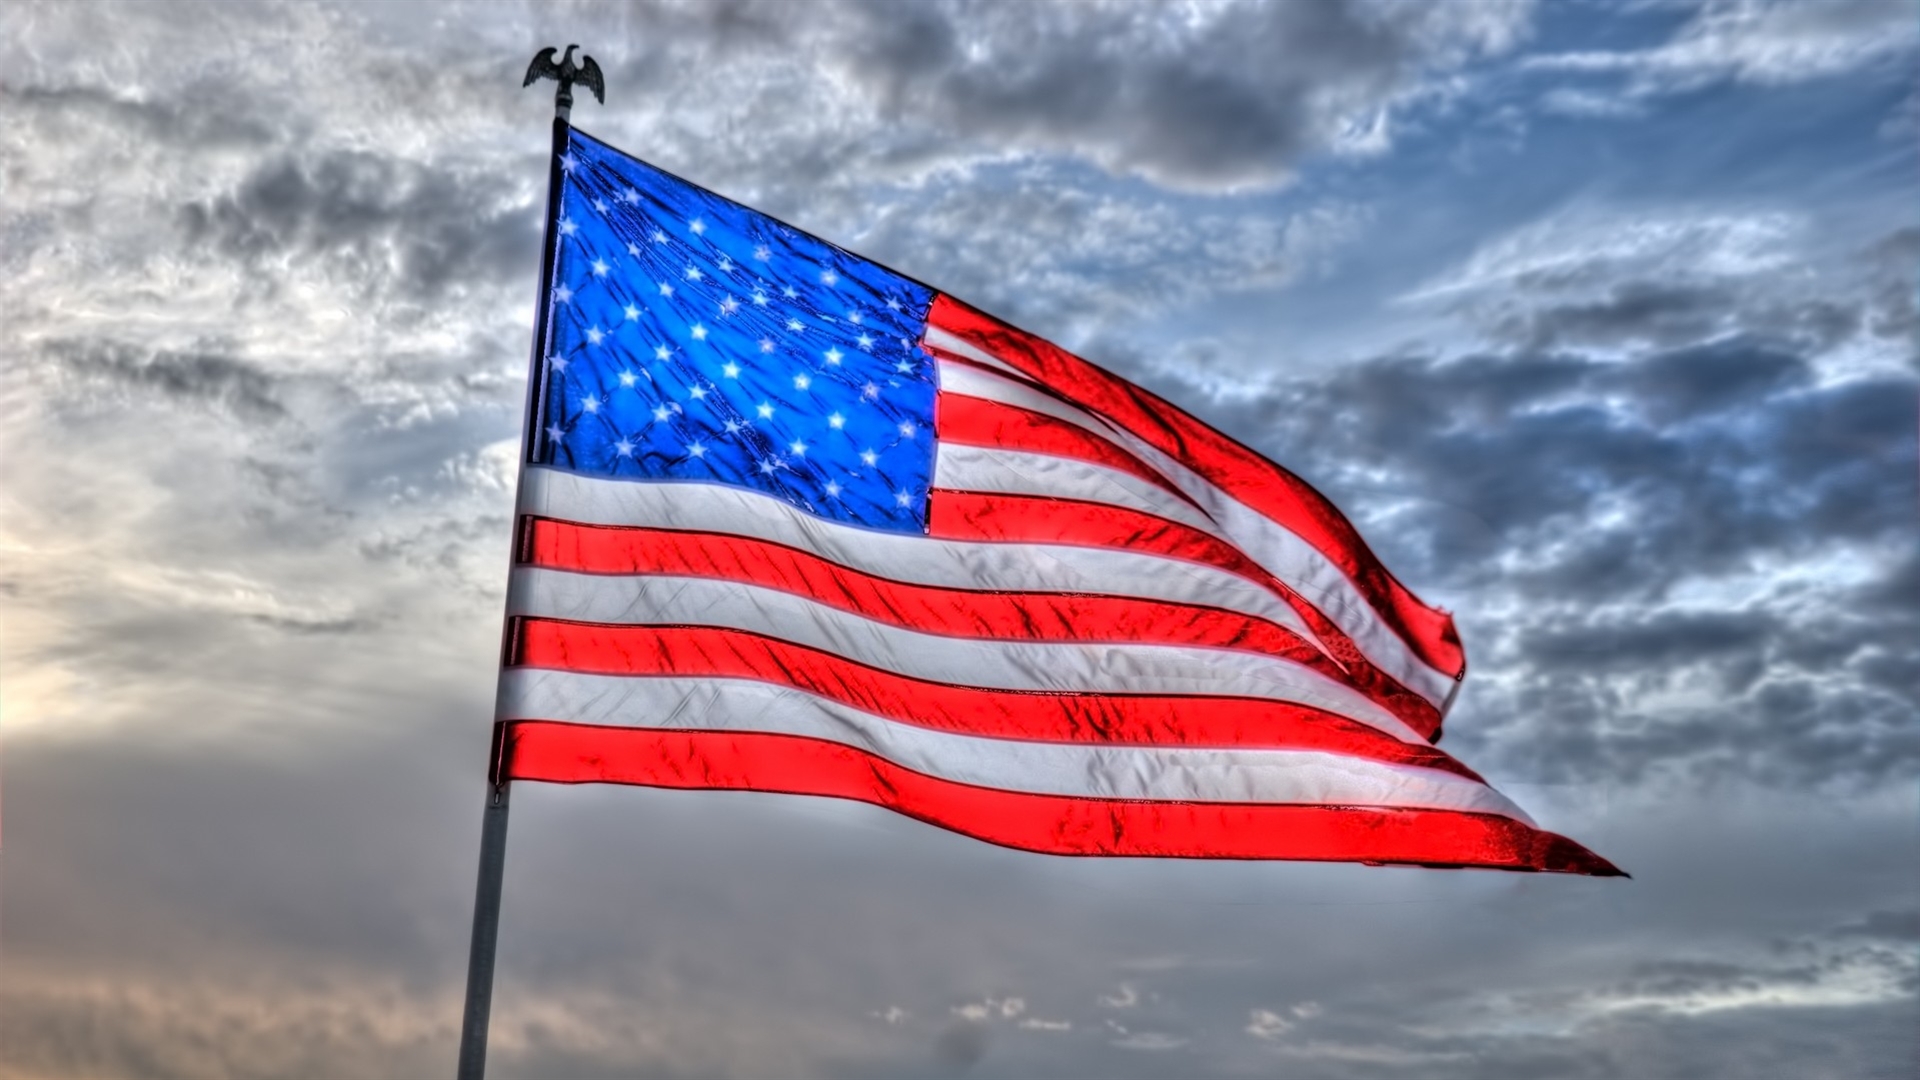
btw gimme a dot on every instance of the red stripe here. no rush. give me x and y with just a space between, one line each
1119 719
1016 616
1058 825
1242 473
972 421
966 515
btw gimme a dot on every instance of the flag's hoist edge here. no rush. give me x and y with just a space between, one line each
792 522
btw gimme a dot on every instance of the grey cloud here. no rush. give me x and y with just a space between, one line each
1891 925
1222 96
381 225
1234 97
200 377
192 118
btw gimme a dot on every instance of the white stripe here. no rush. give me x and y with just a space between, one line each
1267 542
971 382
1175 774
920 560
1058 666
959 346
1016 472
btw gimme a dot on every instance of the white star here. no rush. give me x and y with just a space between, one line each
866 342
854 317
697 226
628 378
600 268
592 404
600 204
699 332
836 421
633 249
694 448
869 458
595 334
766 344
768 465
903 498
662 413
828 277
833 490
892 304
556 433
633 313
833 357
559 362
904 367
726 265
759 298
567 162
870 391
694 274
661 352
625 448
788 292
730 370
799 448
659 237
567 227
795 324
729 306
765 410
698 393
801 382
666 289
907 429
562 293
630 197
763 252
734 426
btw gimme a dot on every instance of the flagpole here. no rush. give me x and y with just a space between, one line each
493 821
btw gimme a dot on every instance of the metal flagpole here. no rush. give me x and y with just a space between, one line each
493 828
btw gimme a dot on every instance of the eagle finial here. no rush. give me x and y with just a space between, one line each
566 73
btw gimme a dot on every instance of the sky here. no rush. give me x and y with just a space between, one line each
1599 320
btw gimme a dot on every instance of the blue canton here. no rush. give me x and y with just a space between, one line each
693 339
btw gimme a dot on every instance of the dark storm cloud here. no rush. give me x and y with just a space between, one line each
1209 97
198 117
1234 100
1717 453
1891 925
197 377
1666 313
382 225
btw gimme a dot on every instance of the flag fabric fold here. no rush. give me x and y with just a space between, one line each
793 522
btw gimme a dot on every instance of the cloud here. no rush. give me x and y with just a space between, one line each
198 377
1764 42
1225 95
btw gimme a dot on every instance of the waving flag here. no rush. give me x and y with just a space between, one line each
793 522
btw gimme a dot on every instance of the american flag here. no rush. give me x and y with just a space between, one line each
790 521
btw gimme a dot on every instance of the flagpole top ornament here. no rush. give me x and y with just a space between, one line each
566 73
